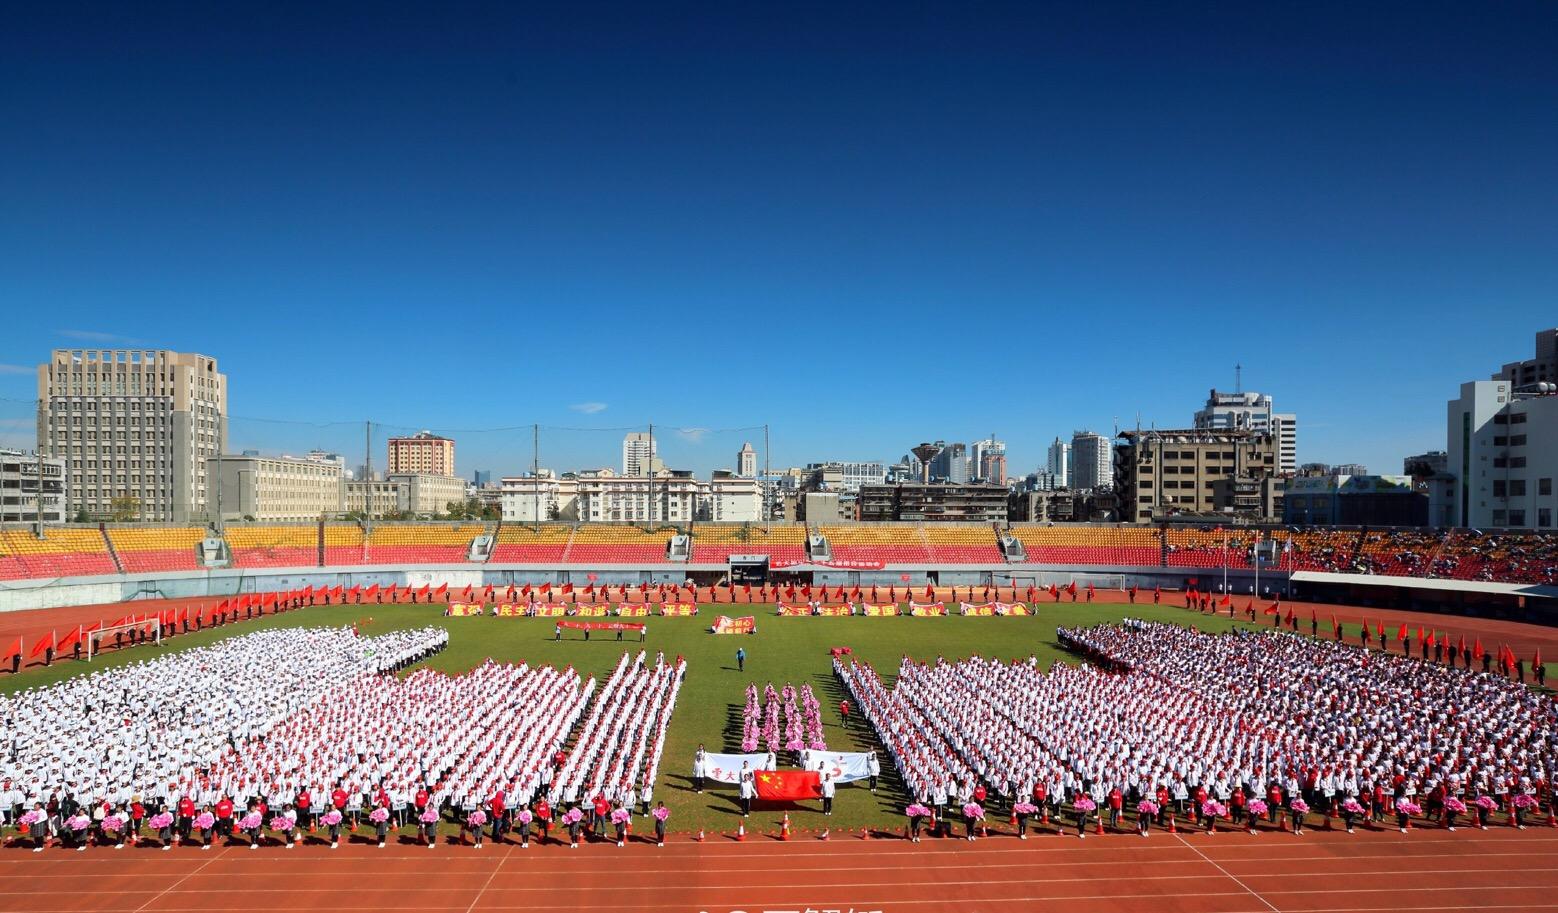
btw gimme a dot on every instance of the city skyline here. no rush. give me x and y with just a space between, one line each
468 221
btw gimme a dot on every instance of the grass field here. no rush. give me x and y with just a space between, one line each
784 650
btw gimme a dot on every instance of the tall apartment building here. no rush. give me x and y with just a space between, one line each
746 462
19 485
1253 412
638 454
670 497
934 502
424 453
278 489
535 499
134 426
987 460
1058 464
1091 461
1178 471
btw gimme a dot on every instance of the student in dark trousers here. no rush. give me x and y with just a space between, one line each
741 659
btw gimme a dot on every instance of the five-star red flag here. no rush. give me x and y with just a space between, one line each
787 785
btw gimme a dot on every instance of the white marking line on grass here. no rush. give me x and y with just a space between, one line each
1227 874
187 876
488 883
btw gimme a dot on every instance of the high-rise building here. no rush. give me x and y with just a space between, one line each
1253 412
987 460
481 478
21 477
1542 368
1058 464
746 462
424 453
135 428
951 464
1502 445
638 453
1195 471
1091 461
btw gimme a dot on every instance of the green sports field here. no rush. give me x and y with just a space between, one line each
783 650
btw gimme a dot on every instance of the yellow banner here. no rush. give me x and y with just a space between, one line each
927 609
633 611
1012 608
795 611
880 611
551 610
727 625
679 609
835 611
464 609
982 609
592 611
511 610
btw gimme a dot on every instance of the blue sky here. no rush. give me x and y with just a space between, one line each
865 226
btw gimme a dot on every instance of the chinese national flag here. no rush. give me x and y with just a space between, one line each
787 785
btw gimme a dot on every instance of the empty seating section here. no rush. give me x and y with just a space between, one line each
274 546
158 548
1331 550
60 553
598 543
1109 545
1208 547
956 543
714 543
520 544
890 544
344 544
420 543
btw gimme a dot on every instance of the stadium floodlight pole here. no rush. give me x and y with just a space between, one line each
535 474
768 481
367 473
649 470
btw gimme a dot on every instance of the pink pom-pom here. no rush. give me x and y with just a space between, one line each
621 816
160 821
1085 804
204 820
379 815
1299 805
524 816
250 821
476 818
661 813
1257 807
330 818
973 811
1147 807
281 823
1454 804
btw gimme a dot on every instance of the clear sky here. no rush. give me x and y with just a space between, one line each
864 226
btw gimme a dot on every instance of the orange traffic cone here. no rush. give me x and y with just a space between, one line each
700 835
1171 829
865 833
1552 821
1100 828
741 832
784 827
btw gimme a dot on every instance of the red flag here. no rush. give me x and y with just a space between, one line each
788 785
444 588
371 591
16 650
44 643
1336 626
1381 630
70 637
1536 661
545 587
930 593
1271 609
390 593
1226 601
1420 635
1312 619
1477 652
1462 648
427 591
1430 641
567 588
1289 618
1401 633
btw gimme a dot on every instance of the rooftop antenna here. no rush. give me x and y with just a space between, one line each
1238 378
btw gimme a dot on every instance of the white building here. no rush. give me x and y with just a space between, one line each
1502 446
533 500
19 477
746 462
275 489
1058 464
638 454
1253 412
979 454
843 475
668 497
1092 461
731 499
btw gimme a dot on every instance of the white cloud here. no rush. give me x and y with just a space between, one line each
588 408
95 336
693 435
17 369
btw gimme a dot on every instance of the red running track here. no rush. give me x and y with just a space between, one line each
1424 870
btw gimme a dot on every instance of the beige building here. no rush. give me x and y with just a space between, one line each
427 494
19 483
547 497
282 489
375 497
668 497
133 425
1177 471
424 453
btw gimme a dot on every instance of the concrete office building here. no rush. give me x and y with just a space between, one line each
1091 461
669 497
1160 473
951 465
1502 457
1253 412
534 499
639 451
424 453
280 489
1058 464
1544 367
134 426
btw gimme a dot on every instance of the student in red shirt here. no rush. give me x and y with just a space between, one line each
338 800
602 808
186 816
224 817
496 809
544 818
303 804
1116 802
137 814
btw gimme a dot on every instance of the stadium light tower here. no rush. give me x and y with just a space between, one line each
925 453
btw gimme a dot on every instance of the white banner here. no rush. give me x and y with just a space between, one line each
841 766
726 768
